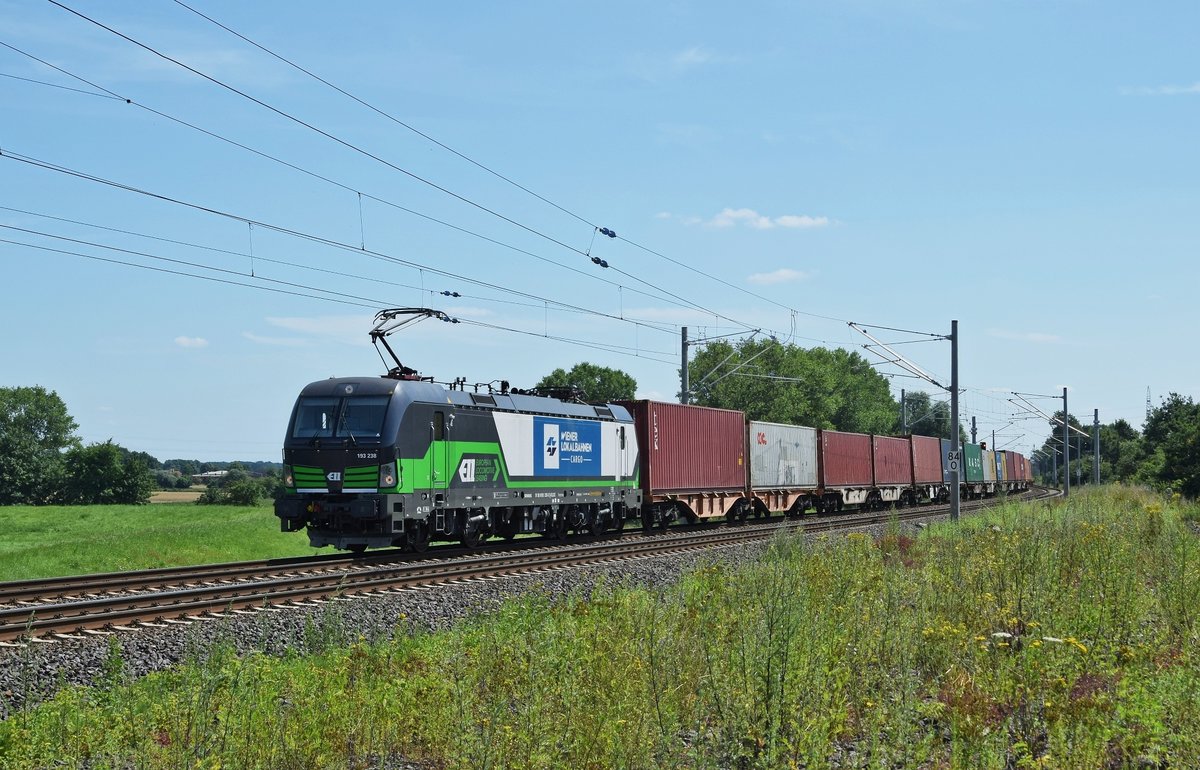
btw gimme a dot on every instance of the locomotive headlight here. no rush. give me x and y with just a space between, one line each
387 475
289 480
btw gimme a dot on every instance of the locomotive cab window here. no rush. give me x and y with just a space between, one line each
362 417
354 417
315 418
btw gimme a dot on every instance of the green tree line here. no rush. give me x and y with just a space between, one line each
1165 454
43 462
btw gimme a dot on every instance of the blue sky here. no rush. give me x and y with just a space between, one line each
1027 168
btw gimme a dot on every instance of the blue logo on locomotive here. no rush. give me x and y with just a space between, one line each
566 447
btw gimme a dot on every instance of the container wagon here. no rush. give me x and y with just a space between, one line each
846 472
692 462
893 470
928 484
783 467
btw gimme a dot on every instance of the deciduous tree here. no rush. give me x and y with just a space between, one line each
35 428
598 383
102 474
783 383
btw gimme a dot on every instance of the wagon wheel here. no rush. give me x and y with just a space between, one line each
357 548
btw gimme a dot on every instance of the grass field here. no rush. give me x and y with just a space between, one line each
1037 636
46 541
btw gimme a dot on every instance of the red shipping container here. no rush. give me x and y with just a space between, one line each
683 448
845 459
893 460
1010 466
927 459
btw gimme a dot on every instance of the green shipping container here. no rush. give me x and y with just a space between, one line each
972 463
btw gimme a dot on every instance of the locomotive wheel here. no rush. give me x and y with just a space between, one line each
508 529
470 538
418 539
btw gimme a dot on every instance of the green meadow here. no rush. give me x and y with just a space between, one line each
48 541
1060 635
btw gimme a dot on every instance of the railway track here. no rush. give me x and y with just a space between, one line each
102 604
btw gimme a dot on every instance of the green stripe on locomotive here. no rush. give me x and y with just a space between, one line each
362 477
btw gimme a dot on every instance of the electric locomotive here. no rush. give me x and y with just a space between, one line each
399 460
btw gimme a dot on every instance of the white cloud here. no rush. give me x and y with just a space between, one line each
660 66
191 342
1194 88
801 221
782 275
731 217
346 329
751 218
663 215
1035 337
691 57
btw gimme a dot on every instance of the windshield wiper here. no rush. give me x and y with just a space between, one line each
349 433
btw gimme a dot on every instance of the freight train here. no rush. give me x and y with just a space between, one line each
402 461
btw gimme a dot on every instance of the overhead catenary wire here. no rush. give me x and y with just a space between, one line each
305 124
266 225
679 298
324 295
684 302
375 157
343 186
492 171
342 273
388 115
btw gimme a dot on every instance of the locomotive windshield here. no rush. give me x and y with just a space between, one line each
354 417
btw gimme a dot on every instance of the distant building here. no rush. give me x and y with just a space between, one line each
204 478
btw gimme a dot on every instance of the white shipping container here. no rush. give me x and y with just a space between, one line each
782 456
989 465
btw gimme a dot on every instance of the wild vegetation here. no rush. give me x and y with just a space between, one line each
1048 635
